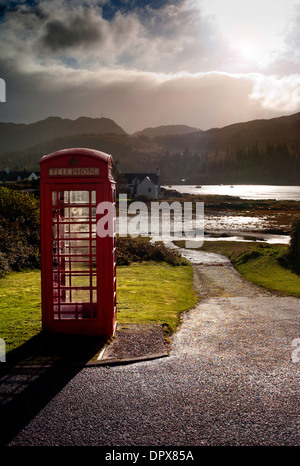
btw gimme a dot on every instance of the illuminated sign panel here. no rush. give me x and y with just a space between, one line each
74 171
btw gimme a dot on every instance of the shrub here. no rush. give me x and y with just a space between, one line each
16 251
4 266
21 209
293 255
141 249
19 230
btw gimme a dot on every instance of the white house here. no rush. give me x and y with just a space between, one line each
143 184
13 176
147 188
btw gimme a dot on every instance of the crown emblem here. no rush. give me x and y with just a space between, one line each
73 161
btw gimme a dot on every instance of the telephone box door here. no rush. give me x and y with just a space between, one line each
74 253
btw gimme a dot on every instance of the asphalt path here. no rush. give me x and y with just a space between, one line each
232 378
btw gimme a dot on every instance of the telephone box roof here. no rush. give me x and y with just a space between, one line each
96 154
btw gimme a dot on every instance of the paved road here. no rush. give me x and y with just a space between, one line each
229 380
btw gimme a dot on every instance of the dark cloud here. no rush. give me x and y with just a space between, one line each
151 63
77 32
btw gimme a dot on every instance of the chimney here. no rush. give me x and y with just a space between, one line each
157 172
7 170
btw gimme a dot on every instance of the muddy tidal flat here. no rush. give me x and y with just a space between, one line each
229 217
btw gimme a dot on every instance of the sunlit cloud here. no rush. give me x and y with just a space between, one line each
148 63
277 93
255 29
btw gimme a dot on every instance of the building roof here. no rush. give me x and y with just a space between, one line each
14 175
141 176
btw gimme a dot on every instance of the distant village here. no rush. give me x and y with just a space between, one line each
135 184
11 176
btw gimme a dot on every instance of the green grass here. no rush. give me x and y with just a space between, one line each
261 267
258 263
152 292
147 292
20 307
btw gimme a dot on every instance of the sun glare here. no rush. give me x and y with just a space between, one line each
249 50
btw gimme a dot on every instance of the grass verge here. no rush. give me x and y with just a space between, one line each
20 307
259 263
152 292
147 292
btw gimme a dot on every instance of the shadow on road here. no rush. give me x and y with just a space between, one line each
35 372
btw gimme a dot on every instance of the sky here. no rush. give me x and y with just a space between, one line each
202 63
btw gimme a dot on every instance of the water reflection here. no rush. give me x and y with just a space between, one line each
219 227
256 192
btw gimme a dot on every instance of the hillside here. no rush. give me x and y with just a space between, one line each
255 152
17 137
279 129
167 130
275 130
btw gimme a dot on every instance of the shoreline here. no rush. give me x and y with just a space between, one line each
231 218
253 220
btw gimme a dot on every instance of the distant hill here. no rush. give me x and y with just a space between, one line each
254 152
276 130
20 136
167 130
286 128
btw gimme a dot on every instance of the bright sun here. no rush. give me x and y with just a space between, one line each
249 50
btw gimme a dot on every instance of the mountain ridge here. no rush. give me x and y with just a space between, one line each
20 136
261 151
166 130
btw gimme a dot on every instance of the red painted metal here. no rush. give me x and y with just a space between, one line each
78 267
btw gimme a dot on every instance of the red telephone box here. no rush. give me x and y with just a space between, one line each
78 267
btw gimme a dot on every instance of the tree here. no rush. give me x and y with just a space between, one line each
294 248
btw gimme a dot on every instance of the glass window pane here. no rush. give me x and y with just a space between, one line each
75 265
63 197
78 296
79 197
77 280
54 198
80 214
55 263
81 228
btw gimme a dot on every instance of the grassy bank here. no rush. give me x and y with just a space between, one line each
20 307
258 263
147 292
151 292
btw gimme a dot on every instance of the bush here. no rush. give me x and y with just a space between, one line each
4 266
21 209
19 230
293 255
140 249
16 251
291 258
